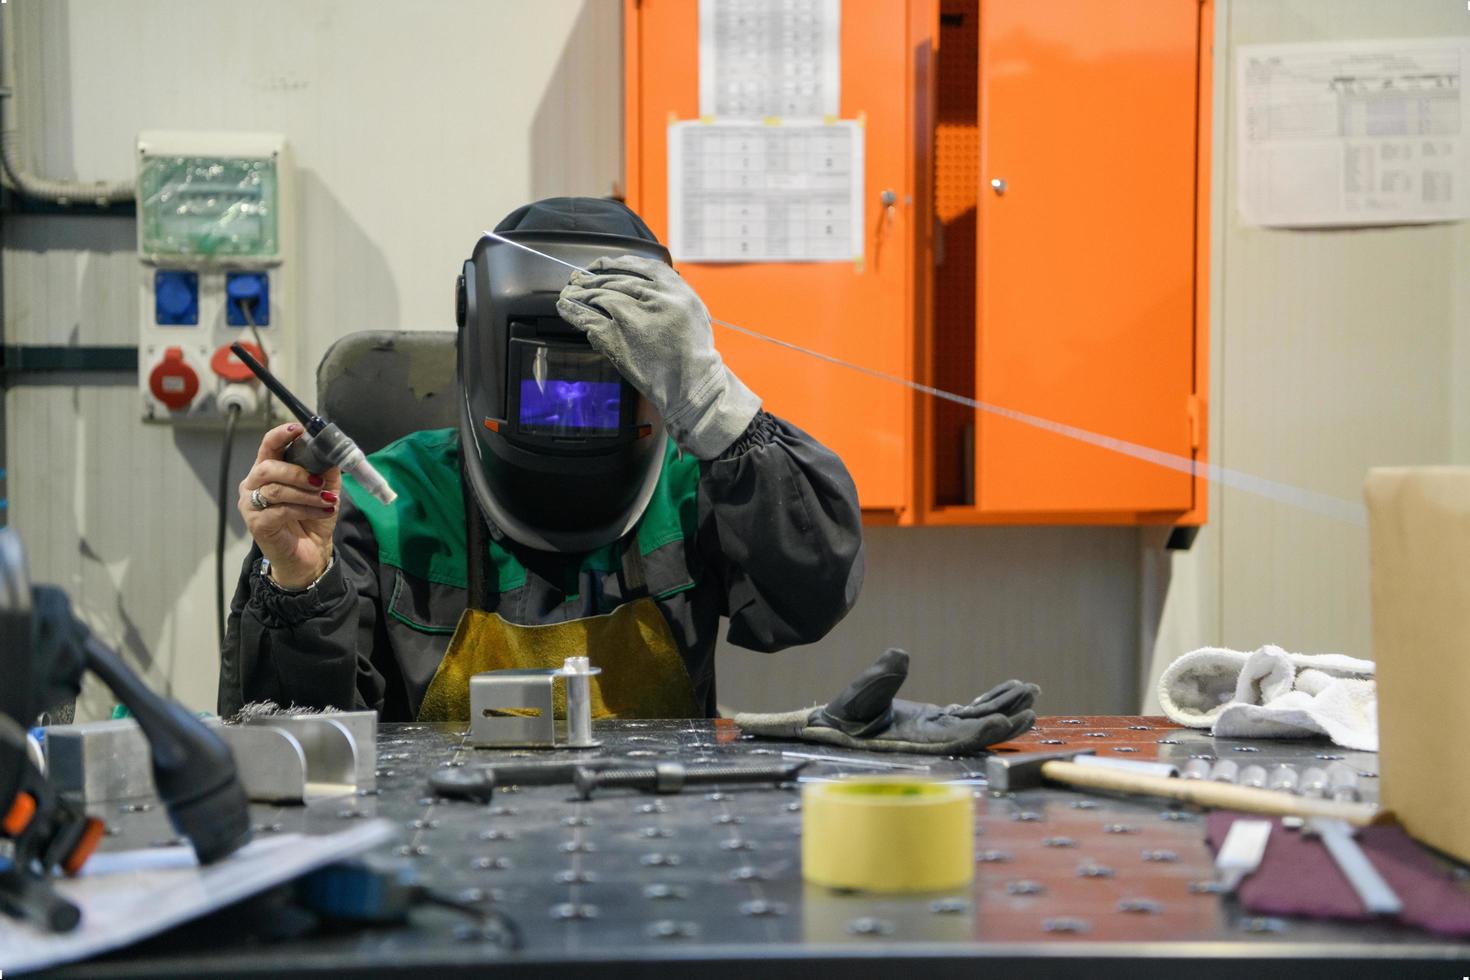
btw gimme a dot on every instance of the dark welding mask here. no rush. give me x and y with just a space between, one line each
560 452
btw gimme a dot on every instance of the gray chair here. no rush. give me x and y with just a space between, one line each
380 385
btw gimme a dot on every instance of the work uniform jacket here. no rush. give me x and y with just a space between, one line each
768 534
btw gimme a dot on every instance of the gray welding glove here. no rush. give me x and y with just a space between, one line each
866 715
645 319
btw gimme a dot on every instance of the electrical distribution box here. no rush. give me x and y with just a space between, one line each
215 248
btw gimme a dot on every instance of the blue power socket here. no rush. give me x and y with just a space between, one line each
252 288
175 298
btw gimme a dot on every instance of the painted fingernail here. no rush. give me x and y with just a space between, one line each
314 480
293 427
329 496
331 510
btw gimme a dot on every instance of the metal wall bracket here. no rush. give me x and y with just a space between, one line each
529 690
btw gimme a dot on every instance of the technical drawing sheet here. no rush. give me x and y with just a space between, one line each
1353 133
760 58
750 192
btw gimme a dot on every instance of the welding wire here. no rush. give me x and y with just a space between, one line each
1336 508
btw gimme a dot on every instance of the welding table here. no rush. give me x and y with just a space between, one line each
709 883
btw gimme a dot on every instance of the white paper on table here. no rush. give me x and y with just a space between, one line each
126 896
1353 132
761 58
748 192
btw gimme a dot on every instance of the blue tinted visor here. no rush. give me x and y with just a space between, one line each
569 393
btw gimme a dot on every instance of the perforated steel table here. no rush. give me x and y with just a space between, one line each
628 884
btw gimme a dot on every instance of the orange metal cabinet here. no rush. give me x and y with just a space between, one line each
1077 295
1086 281
859 312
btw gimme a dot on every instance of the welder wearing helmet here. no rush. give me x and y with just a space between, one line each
612 490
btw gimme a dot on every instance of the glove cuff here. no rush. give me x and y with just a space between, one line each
717 412
780 724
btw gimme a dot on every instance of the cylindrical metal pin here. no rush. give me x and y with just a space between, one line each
1313 782
578 672
1342 782
1196 769
1225 771
1253 776
1283 778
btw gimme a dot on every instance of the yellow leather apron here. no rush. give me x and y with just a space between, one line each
642 676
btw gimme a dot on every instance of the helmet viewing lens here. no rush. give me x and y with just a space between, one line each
569 392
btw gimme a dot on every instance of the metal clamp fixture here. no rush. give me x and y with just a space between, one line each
496 693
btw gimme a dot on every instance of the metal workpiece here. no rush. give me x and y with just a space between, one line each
1337 836
510 708
1283 779
1342 782
1313 782
98 761
1196 769
614 883
1225 771
361 728
277 766
1253 776
280 757
578 673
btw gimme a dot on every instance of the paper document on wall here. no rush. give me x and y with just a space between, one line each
761 58
742 192
1353 133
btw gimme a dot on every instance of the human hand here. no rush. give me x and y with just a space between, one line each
644 318
294 528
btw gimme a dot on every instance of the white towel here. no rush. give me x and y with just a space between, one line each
1273 694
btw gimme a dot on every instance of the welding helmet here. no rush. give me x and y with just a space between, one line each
561 453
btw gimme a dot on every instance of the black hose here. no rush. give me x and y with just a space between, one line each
219 540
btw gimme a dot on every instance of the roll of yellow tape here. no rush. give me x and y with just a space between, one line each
887 835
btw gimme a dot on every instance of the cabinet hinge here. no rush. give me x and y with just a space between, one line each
1194 411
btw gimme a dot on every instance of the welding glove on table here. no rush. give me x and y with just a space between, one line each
644 318
866 715
1274 694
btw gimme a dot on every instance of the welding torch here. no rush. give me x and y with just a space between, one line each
321 445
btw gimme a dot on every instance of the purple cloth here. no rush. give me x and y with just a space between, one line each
1298 876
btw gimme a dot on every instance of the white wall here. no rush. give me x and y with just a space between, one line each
1333 351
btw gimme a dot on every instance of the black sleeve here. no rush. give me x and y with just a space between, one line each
313 648
779 521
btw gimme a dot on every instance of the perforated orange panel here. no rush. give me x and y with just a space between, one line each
956 182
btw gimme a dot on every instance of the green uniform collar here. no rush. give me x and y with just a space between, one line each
422 533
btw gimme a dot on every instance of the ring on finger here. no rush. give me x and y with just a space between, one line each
257 499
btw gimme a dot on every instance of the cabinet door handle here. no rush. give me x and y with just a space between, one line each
998 184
